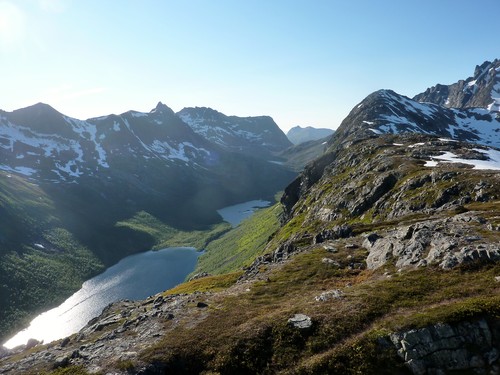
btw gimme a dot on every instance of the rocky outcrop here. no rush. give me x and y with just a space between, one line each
469 346
300 186
447 242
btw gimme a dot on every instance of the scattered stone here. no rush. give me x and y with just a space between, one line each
300 321
338 231
62 361
65 342
329 295
32 343
330 249
497 279
493 227
330 261
472 238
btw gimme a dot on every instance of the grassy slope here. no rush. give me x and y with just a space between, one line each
240 246
248 333
166 236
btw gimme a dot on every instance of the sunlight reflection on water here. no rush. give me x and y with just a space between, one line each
135 277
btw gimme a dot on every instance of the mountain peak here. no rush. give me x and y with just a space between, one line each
38 108
162 108
299 134
482 90
251 135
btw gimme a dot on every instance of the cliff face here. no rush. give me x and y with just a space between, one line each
468 345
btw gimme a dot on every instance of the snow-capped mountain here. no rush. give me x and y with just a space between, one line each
466 111
385 111
152 160
248 135
299 134
40 142
480 90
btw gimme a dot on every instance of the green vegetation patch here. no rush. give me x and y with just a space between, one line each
240 246
206 284
71 370
42 277
167 236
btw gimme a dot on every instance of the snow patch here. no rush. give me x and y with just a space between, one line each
87 130
25 171
493 161
376 131
416 145
495 95
430 163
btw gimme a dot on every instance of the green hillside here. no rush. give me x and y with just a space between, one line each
240 246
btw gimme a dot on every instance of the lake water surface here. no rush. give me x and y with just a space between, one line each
135 277
237 213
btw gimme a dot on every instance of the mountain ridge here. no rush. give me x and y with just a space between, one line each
480 90
242 134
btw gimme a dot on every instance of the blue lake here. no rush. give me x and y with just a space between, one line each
237 213
135 277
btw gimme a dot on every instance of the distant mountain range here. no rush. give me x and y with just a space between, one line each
298 134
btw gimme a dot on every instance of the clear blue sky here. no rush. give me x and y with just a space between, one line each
302 62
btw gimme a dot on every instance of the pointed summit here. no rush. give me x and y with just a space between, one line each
162 108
